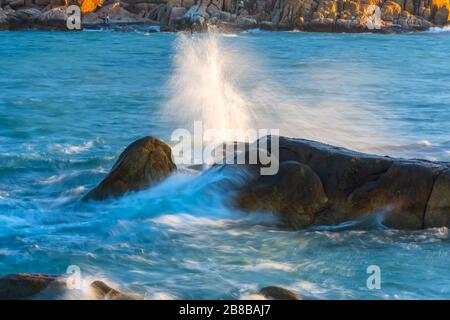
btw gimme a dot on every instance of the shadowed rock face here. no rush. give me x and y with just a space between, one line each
23 285
295 189
318 184
142 164
438 209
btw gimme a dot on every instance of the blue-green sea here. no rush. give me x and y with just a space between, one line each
71 102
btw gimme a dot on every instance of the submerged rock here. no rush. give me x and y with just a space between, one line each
279 293
24 285
319 184
142 164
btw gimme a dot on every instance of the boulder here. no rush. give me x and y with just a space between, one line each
55 17
318 184
279 293
441 17
24 285
119 15
176 13
101 291
142 164
295 193
28 15
438 210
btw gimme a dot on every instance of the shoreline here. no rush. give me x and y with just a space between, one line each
330 16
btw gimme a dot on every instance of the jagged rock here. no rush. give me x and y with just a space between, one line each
308 15
54 17
142 164
28 15
24 285
441 17
176 13
279 293
390 11
408 192
119 15
102 291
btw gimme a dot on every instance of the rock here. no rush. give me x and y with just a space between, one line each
320 25
438 210
24 286
308 15
3 20
390 11
279 293
102 291
119 15
176 13
16 4
42 3
142 164
29 15
442 16
55 17
295 194
318 184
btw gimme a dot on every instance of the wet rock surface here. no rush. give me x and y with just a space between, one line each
279 293
142 164
319 184
24 285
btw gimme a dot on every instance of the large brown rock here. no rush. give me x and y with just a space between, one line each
279 293
102 291
24 285
296 194
319 184
438 210
142 164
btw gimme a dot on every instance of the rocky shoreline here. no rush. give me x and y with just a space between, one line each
29 286
316 184
378 16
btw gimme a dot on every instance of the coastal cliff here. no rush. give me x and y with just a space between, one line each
234 15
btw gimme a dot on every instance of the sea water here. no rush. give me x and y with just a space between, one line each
71 102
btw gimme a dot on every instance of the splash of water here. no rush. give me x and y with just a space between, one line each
205 86
228 88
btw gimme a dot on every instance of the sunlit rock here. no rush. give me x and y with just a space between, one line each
142 164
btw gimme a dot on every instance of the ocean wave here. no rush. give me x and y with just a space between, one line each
270 265
184 221
438 29
73 149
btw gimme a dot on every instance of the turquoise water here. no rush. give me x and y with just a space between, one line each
70 103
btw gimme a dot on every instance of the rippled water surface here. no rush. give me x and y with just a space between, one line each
70 103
